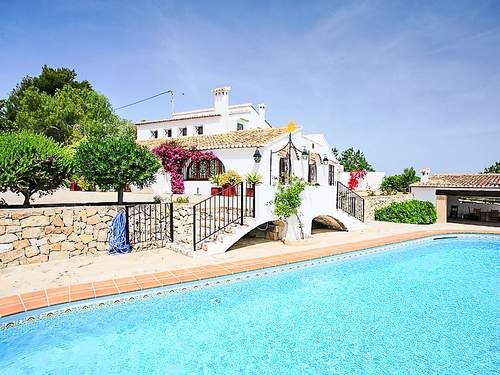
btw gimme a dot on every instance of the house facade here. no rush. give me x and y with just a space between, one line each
244 141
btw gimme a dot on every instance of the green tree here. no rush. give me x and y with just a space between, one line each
69 115
32 163
49 81
354 160
57 105
495 168
114 163
287 200
399 183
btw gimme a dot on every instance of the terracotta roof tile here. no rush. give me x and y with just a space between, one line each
235 139
478 180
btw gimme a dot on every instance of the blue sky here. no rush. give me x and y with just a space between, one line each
411 83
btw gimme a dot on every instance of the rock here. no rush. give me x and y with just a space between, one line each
78 246
91 212
67 230
6 222
102 235
92 244
4 247
68 218
8 238
102 246
9 256
31 251
45 249
55 247
32 232
21 244
21 214
35 221
57 221
2 229
93 220
55 238
12 229
38 259
67 246
86 238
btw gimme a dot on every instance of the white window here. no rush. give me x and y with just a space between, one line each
198 130
240 126
168 133
183 132
154 133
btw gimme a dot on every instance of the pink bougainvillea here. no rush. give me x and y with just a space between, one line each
355 178
174 158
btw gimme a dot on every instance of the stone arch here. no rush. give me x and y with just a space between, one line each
328 222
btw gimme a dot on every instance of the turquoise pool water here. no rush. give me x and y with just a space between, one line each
426 308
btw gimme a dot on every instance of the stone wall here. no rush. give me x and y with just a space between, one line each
37 235
373 203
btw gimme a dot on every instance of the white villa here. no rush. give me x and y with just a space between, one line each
244 141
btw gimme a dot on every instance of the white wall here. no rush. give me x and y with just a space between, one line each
371 181
424 194
210 126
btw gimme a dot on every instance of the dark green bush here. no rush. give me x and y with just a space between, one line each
32 163
409 212
115 163
399 182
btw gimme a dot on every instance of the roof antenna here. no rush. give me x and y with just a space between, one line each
172 100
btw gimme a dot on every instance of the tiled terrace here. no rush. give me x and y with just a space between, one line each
53 296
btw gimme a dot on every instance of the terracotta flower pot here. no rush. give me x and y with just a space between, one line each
250 191
215 190
229 191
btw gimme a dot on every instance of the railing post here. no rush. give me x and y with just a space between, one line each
127 231
194 228
254 200
241 202
171 208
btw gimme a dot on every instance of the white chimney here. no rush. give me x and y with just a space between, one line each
221 100
262 113
425 172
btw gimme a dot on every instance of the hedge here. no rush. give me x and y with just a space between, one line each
408 212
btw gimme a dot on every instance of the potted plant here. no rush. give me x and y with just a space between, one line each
252 179
215 180
228 180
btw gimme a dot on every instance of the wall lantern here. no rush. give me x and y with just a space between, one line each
305 153
257 156
325 160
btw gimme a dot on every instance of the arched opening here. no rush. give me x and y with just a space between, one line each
202 170
326 223
265 233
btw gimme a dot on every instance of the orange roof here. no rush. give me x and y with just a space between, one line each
235 139
476 180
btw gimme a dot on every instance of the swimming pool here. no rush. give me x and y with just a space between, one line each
430 306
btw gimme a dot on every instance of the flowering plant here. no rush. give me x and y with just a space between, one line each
355 178
173 159
230 178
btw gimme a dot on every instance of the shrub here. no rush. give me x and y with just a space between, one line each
400 182
288 199
230 178
253 178
32 163
409 212
115 163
